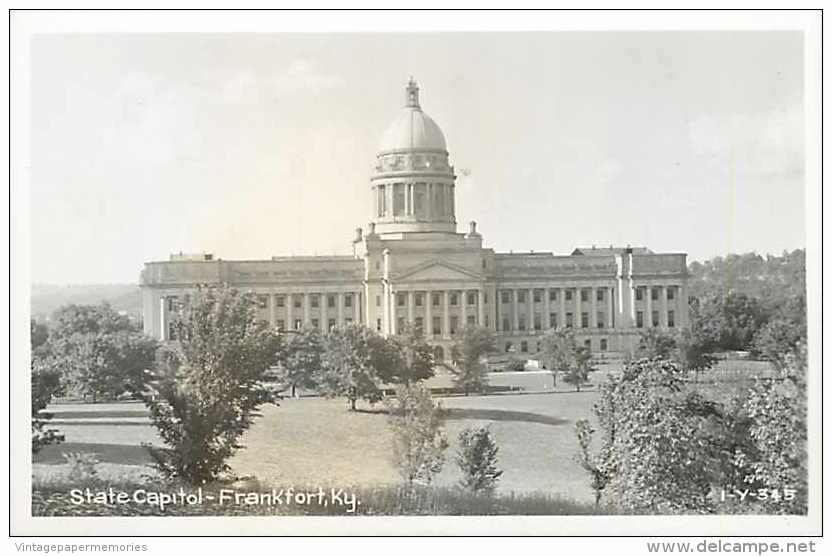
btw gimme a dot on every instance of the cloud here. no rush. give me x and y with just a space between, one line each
769 144
303 76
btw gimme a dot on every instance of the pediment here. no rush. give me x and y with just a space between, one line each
437 271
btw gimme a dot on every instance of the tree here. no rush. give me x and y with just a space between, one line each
655 344
558 350
350 363
46 383
477 459
411 358
97 352
474 345
594 466
778 339
207 386
578 373
419 442
301 359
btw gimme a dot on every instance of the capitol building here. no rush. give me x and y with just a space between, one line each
412 267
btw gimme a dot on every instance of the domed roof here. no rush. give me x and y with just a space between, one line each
413 129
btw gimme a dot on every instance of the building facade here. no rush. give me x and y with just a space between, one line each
411 267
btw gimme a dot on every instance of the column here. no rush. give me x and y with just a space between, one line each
547 309
576 318
163 319
307 309
272 310
427 329
593 317
515 314
410 305
663 299
480 309
290 305
530 309
394 320
429 201
324 305
649 316
339 302
682 304
356 307
562 315
493 312
610 307
632 293
446 315
463 315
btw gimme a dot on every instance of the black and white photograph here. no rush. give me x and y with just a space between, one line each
504 273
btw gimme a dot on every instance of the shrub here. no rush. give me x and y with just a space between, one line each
83 466
419 443
477 459
470 351
206 388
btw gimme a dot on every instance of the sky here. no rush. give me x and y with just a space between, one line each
252 145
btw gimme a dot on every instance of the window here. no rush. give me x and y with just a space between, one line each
454 324
671 293
599 295
472 320
538 295
537 323
599 319
569 320
347 321
505 296
553 295
454 299
417 298
331 324
584 294
437 326
400 299
588 344
398 199
281 325
485 298
639 319
296 301
348 300
521 325
171 331
298 324
378 325
262 301
506 325
553 320
654 294
603 344
671 319
316 301
639 294
508 347
419 199
521 296
568 295
399 325
315 323
524 346
378 301
382 198
655 318
330 300
281 301
435 300
472 298
418 324
584 320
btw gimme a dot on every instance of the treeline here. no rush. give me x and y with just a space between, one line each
750 303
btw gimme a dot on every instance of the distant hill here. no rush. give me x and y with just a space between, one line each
122 297
764 277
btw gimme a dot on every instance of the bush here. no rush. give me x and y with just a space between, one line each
477 459
206 388
419 443
515 365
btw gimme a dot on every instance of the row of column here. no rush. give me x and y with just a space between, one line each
680 302
437 199
341 311
547 308
445 305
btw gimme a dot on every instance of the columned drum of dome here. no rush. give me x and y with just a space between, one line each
413 181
